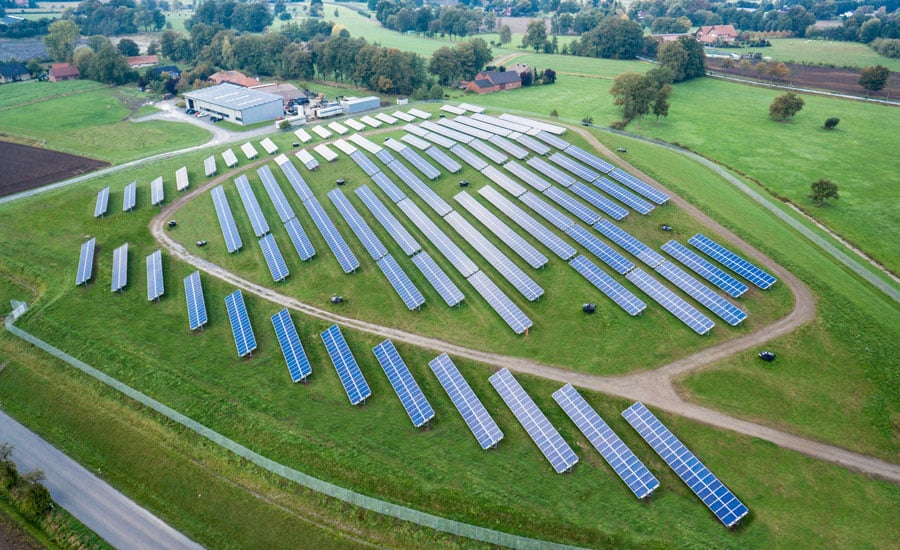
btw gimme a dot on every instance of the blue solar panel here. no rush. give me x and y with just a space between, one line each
285 212
639 186
157 194
244 340
85 262
590 159
732 261
438 139
721 307
505 233
600 249
401 282
389 187
120 268
526 175
492 154
468 157
273 257
705 269
155 286
507 183
438 238
574 166
714 494
531 143
419 187
550 139
300 239
594 198
345 364
102 202
685 312
415 141
391 224
385 156
455 124
484 126
499 122
421 164
500 302
301 188
449 292
209 166
616 453
251 205
479 420
547 169
196 305
332 237
365 163
441 129
549 213
130 200
623 195
574 207
608 286
226 220
544 435
535 228
509 147
358 225
509 270
411 397
445 161
294 354
627 241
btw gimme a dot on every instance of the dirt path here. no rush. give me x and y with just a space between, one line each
654 388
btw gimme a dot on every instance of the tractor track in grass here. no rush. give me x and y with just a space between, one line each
656 388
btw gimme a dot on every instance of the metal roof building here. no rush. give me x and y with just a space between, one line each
236 103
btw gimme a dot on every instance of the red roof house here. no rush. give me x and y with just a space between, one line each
136 61
494 81
712 34
234 77
63 71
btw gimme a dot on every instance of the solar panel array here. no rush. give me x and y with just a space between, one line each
574 166
608 286
269 146
411 397
226 220
326 152
481 125
544 127
549 213
130 200
181 179
616 453
446 132
544 435
500 302
547 169
303 135
438 238
677 306
494 121
120 268
300 239
307 159
427 194
364 162
623 195
714 494
470 131
102 202
291 347
249 150
230 158
386 118
416 141
358 225
365 143
590 159
453 109
389 187
574 207
600 249
419 113
721 307
492 154
301 188
534 228
705 269
332 237
355 124
86 262
419 163
437 139
732 261
285 212
209 166
345 364
443 159
505 233
449 292
531 143
401 282
387 220
338 128
639 186
251 205
344 146
526 175
155 286
157 195
468 157
370 121
627 241
509 147
550 139
597 200
509 270
504 181
273 257
244 340
196 305
476 417
385 156
403 116
321 132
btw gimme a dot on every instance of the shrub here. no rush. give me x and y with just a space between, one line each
831 122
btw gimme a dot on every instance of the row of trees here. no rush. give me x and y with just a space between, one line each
230 14
116 16
462 62
639 94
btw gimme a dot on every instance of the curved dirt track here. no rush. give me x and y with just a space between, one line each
654 387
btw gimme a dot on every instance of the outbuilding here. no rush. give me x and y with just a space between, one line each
352 105
236 104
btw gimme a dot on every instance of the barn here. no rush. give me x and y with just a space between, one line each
236 103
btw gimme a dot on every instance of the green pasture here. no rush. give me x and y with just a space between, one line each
826 52
22 94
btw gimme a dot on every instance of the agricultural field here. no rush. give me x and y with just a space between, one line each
826 52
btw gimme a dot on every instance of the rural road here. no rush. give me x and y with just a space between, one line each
105 511
653 388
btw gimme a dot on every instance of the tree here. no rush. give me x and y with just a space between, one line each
821 190
785 106
128 47
632 92
535 35
613 38
661 101
684 56
872 79
444 64
549 76
831 122
60 40
505 34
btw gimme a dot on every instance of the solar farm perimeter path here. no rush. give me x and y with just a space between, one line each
654 387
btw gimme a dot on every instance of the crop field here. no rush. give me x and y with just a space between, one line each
827 52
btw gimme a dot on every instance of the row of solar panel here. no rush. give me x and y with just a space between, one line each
129 200
119 279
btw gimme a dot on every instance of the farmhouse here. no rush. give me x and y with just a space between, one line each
487 82
713 34
172 70
13 72
236 103
232 77
63 71
138 61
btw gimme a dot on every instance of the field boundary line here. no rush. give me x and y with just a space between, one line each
422 519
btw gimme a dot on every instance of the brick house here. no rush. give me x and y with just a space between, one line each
233 77
713 34
13 72
63 71
487 82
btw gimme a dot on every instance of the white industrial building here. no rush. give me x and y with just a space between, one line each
236 103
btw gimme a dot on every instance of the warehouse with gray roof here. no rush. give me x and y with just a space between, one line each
236 103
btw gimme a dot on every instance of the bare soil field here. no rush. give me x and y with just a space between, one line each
823 78
27 167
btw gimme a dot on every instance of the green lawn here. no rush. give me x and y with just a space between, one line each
828 52
25 93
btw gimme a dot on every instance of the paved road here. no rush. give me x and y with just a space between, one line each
107 512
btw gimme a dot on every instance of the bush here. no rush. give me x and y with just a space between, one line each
830 123
553 113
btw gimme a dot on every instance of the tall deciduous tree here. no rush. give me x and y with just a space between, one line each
785 106
613 38
535 35
823 189
684 56
128 47
505 34
60 40
873 79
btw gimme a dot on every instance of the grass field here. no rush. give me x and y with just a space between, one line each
829 52
25 93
